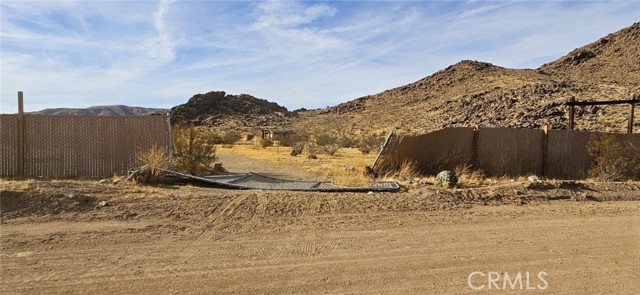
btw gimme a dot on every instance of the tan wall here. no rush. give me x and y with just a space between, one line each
500 151
79 146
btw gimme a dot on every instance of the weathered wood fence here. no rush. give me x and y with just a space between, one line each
76 146
558 154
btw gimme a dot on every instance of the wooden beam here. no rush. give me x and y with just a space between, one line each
21 148
593 103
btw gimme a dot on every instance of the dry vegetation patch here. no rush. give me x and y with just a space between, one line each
344 167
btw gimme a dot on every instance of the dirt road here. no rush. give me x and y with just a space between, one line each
206 241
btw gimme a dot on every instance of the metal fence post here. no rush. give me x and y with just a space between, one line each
170 143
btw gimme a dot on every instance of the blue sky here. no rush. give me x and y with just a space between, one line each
297 53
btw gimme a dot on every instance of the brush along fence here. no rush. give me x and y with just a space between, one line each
76 146
558 154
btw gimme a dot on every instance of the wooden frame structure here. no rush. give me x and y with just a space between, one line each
632 101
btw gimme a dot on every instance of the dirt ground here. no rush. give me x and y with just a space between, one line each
58 238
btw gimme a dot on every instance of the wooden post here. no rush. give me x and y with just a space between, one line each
474 148
545 150
631 110
21 148
572 111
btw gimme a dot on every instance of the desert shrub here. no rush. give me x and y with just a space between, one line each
231 137
347 141
265 142
215 137
154 158
330 149
613 160
369 143
293 139
298 148
194 149
327 143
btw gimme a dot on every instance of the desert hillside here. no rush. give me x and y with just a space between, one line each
473 93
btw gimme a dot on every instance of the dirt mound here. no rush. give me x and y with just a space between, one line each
192 204
218 109
473 93
15 204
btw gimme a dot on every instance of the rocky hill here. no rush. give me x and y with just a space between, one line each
473 93
108 110
227 111
613 59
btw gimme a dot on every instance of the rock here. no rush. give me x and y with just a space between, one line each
446 178
533 179
102 204
348 168
105 181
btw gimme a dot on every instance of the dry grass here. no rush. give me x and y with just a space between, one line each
153 158
336 168
470 176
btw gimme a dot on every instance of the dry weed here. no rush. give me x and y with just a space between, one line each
470 176
613 159
153 158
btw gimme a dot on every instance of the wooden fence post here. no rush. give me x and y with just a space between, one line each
631 110
545 150
474 149
572 111
21 148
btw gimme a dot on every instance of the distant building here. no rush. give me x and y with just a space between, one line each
276 135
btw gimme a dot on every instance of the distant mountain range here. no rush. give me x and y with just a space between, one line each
108 110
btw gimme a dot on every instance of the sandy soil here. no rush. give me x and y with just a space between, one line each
57 239
244 164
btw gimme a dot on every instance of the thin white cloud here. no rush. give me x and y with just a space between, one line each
300 54
162 46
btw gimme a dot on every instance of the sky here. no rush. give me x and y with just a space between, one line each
309 54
